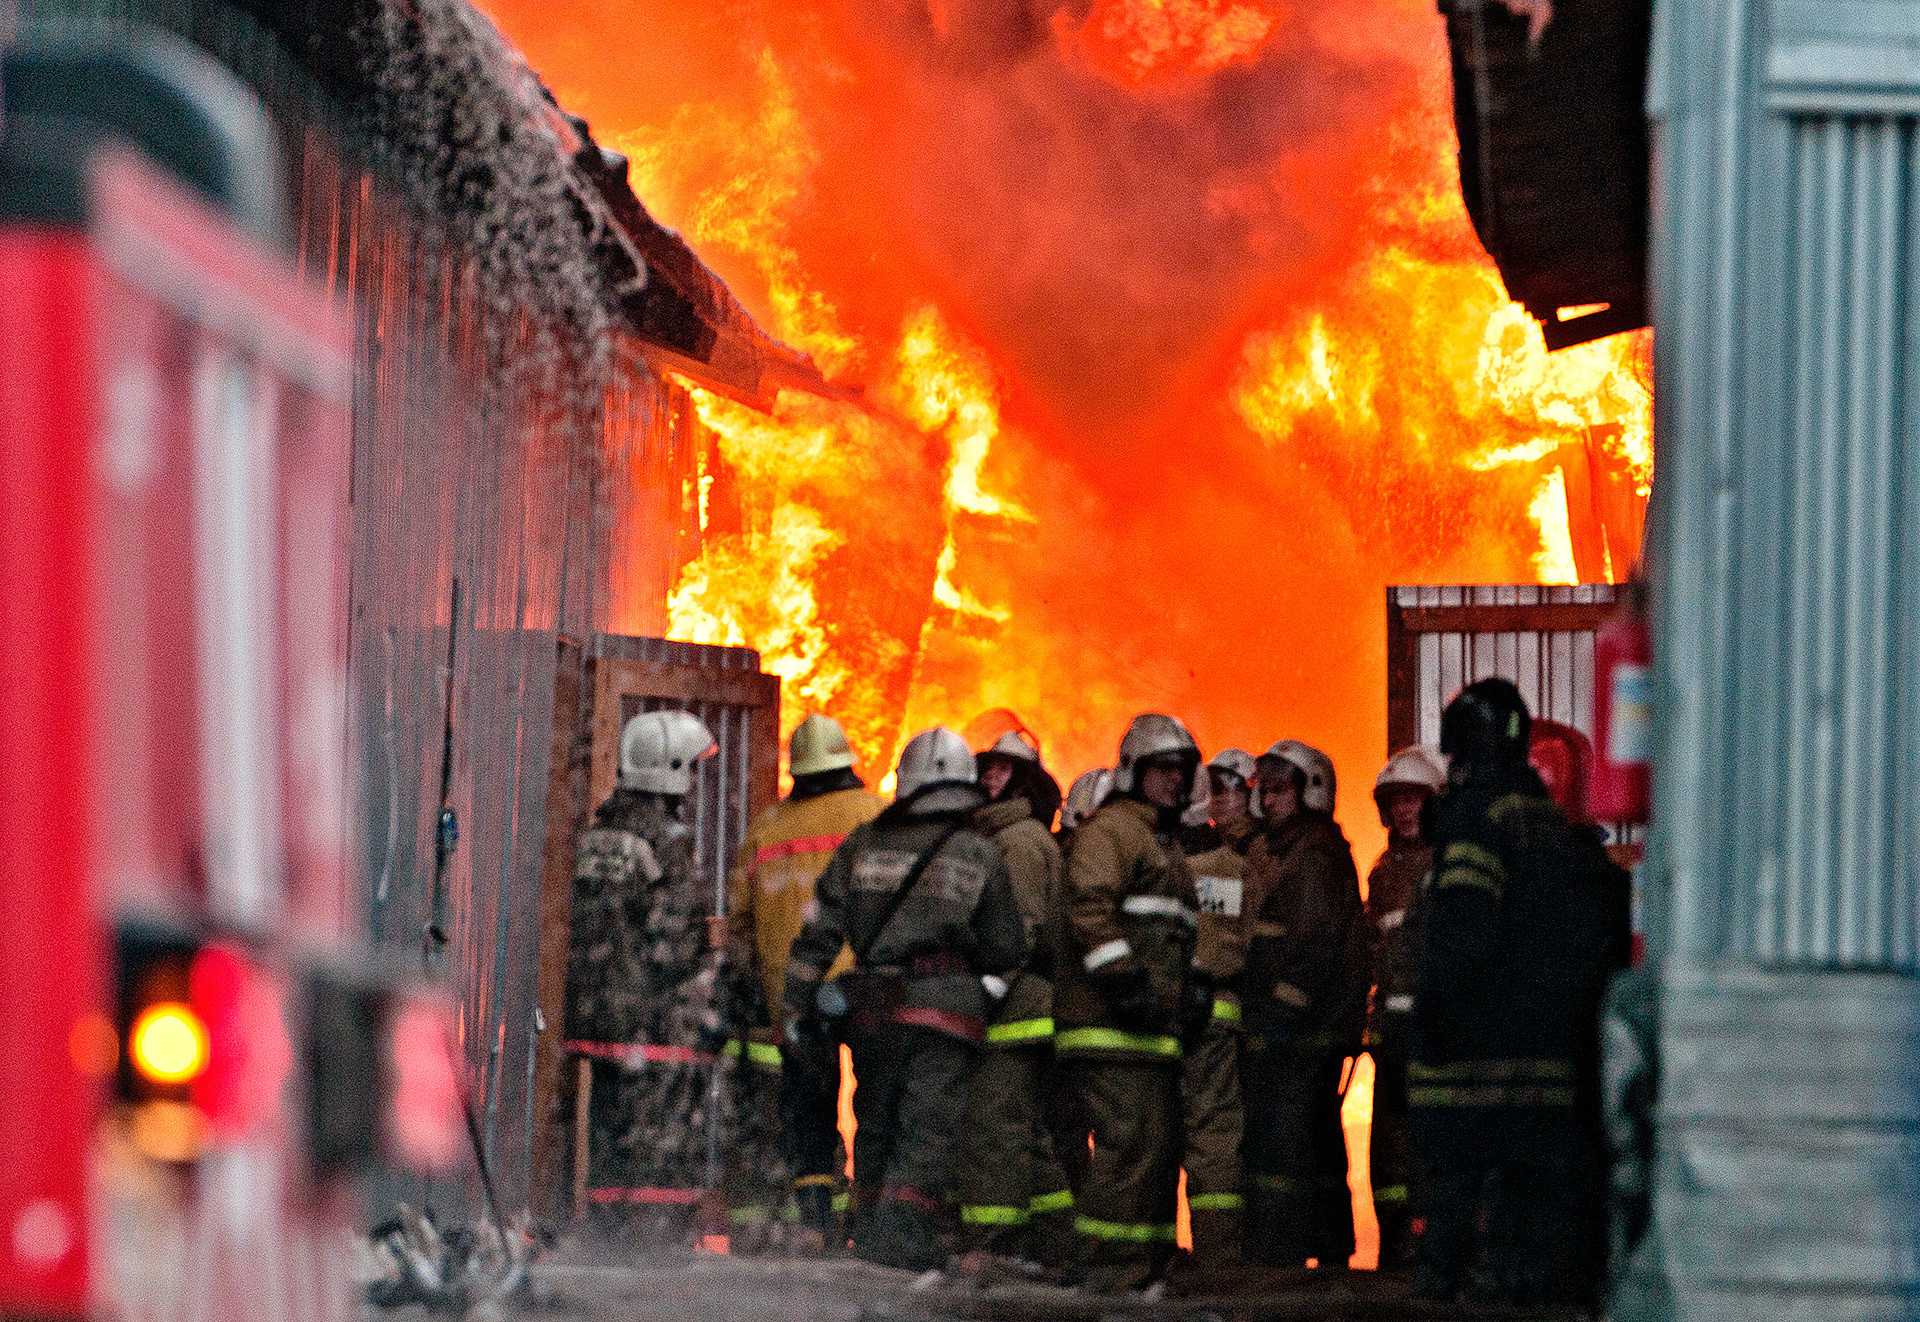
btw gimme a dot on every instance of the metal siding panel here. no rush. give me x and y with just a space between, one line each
1842 890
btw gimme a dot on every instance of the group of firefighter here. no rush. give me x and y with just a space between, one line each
1054 1008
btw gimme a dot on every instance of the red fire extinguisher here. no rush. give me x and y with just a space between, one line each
1623 714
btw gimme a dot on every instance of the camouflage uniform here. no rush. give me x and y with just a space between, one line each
639 995
917 1007
1010 1179
1214 1117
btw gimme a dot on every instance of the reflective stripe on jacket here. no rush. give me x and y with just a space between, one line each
785 851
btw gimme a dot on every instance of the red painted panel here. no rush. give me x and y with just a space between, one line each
51 980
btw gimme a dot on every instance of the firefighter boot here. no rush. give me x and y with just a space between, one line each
815 1233
1215 1266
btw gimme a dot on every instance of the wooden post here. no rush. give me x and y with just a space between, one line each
566 792
582 1131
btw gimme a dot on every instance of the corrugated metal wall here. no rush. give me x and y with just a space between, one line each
1838 882
1782 868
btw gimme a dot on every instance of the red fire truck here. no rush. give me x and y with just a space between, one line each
200 1063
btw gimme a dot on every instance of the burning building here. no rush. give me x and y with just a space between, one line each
1172 341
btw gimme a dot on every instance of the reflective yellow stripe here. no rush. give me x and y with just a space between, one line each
1216 1202
1113 1230
1112 1039
994 1216
1226 1010
841 1202
1020 1030
1041 1204
764 1054
1390 1193
813 1181
1458 878
1475 856
748 1216
1465 864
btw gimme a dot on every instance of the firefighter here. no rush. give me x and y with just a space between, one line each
1526 919
1213 1117
926 905
785 850
1305 998
1014 1197
1123 998
634 994
1402 791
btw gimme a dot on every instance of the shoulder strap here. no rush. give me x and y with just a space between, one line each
907 884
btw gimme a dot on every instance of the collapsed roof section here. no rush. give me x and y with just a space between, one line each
490 122
1548 101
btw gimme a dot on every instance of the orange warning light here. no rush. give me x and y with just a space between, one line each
169 1043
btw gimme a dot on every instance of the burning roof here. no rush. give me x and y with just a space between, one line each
447 106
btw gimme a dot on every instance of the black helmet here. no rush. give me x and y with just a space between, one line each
1486 723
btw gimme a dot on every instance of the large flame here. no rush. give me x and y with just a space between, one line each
1174 345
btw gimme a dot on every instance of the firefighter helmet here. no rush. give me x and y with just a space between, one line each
1234 762
1415 767
658 750
1013 745
1085 798
932 757
1312 769
818 744
1487 723
1151 735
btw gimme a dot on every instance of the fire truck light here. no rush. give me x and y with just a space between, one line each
169 1043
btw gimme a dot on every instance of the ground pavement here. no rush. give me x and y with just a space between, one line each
573 1285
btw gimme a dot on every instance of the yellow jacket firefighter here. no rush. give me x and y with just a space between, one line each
785 851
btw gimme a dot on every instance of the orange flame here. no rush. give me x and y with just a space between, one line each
1175 345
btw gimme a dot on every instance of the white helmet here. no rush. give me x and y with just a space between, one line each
1415 767
1234 762
817 744
932 757
1315 768
1012 745
1151 735
658 750
1085 798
